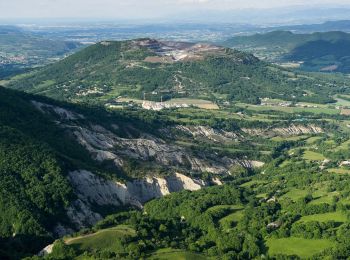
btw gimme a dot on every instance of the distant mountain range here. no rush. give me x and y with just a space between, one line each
336 25
328 51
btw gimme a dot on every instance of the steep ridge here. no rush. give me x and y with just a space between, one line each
94 190
62 165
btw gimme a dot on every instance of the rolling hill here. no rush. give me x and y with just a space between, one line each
326 51
107 70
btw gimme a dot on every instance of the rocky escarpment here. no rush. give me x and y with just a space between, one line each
219 136
94 190
291 130
205 132
104 145
107 145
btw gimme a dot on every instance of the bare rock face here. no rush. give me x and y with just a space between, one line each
297 130
104 145
46 251
176 51
209 133
94 190
291 130
63 113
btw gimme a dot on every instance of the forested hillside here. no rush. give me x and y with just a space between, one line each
51 150
36 156
290 212
327 51
107 70
33 185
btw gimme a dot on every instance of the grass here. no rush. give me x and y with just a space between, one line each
318 110
261 195
321 195
344 146
174 254
106 239
328 198
313 139
337 216
291 138
126 100
313 156
304 248
339 170
197 115
296 194
284 163
236 216
43 86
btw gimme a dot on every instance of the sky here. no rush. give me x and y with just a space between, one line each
137 9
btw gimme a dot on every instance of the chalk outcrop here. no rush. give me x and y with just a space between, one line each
291 130
205 132
106 144
95 190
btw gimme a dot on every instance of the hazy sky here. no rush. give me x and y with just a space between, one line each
135 9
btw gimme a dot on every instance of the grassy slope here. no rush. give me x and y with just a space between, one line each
301 247
107 239
324 217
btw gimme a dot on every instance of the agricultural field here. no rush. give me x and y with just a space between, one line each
324 217
313 156
295 194
339 170
304 248
290 109
292 138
